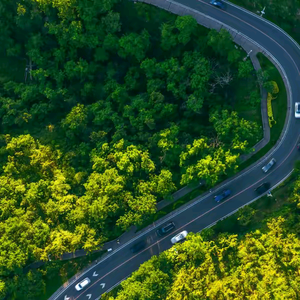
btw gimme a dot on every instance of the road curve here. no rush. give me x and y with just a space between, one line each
204 212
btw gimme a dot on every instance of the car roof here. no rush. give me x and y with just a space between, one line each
180 233
265 184
84 282
170 224
226 192
138 245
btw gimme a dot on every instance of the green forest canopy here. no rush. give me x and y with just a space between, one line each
124 104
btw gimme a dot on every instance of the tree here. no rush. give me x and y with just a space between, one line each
254 99
271 87
296 192
234 55
30 284
150 67
186 26
224 79
200 72
163 184
134 45
131 79
194 104
78 69
245 68
199 161
167 141
175 77
2 289
245 215
111 43
233 131
168 37
211 167
140 285
221 42
262 76
111 22
76 120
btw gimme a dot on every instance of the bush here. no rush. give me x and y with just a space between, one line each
271 87
270 112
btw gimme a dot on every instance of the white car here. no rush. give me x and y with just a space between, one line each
297 110
269 165
82 284
179 237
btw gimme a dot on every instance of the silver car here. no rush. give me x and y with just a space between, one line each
179 237
82 284
297 110
269 165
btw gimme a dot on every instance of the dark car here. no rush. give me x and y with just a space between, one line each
218 3
223 195
263 187
138 247
165 229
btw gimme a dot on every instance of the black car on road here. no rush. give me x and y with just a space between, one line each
218 3
165 229
138 247
263 187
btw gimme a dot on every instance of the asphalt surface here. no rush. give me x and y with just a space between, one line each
122 262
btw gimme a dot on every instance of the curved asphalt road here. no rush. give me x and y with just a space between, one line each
122 262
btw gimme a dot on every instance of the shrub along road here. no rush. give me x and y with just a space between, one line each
200 214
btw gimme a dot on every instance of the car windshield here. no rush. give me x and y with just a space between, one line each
298 108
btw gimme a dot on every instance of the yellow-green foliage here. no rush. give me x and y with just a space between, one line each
270 112
261 265
275 88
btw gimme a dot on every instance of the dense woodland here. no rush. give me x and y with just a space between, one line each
120 105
